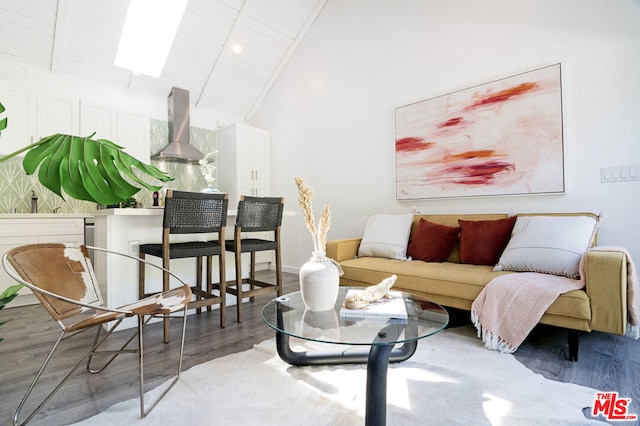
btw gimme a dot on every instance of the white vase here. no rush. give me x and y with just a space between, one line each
321 325
210 189
319 281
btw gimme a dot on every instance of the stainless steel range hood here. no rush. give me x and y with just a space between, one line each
179 149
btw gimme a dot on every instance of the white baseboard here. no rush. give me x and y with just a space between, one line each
291 270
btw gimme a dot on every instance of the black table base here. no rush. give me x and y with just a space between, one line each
377 357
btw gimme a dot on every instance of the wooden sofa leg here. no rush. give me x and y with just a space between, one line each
574 341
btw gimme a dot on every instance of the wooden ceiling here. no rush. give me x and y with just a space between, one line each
80 38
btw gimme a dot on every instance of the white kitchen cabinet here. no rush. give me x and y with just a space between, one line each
21 229
127 128
99 119
57 114
244 168
243 162
133 133
19 112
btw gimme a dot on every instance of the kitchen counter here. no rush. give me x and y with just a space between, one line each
44 215
123 230
152 211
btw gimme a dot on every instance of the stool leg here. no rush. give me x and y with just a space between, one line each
166 324
252 274
278 273
223 289
209 284
239 285
199 280
141 276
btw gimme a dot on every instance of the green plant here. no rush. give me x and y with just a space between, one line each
85 169
7 296
3 122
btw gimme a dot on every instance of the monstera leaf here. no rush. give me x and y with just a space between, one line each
3 122
86 169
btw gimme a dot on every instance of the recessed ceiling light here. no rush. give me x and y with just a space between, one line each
236 48
149 30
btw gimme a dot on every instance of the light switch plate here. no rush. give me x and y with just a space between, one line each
620 173
134 248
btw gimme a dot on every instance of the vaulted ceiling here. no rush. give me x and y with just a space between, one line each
80 38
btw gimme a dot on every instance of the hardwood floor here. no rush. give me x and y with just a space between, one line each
606 362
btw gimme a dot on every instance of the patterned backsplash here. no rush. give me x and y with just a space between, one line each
16 187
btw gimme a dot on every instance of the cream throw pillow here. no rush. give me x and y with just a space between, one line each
386 235
548 244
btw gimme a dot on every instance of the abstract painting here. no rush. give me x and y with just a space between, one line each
499 138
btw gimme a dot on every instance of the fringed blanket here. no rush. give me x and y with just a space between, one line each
507 309
633 291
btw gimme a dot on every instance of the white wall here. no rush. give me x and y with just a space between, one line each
331 112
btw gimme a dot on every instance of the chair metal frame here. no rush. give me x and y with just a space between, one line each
144 310
247 222
173 226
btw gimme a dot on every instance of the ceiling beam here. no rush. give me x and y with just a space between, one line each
57 53
225 49
134 80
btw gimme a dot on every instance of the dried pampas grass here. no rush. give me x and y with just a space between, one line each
318 234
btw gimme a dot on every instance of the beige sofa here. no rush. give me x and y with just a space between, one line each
601 305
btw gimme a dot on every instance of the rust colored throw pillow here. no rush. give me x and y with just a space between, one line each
433 242
483 241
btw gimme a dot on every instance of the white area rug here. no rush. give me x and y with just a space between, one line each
451 380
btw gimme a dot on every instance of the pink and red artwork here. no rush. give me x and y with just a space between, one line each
499 138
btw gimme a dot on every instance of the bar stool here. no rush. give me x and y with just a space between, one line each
255 214
192 213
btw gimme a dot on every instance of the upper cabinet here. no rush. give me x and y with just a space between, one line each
32 117
134 133
125 127
243 162
57 114
84 117
99 119
20 114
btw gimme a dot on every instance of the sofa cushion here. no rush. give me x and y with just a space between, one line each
415 276
573 304
452 220
549 244
386 235
432 242
482 241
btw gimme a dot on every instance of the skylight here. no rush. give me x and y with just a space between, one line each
148 34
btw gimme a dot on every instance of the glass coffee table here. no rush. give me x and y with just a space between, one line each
374 340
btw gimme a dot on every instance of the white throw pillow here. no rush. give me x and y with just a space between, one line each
548 244
386 235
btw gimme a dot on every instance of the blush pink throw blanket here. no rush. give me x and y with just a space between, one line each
507 309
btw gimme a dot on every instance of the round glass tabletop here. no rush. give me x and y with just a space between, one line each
287 314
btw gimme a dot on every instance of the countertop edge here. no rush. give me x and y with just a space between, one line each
45 215
158 211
